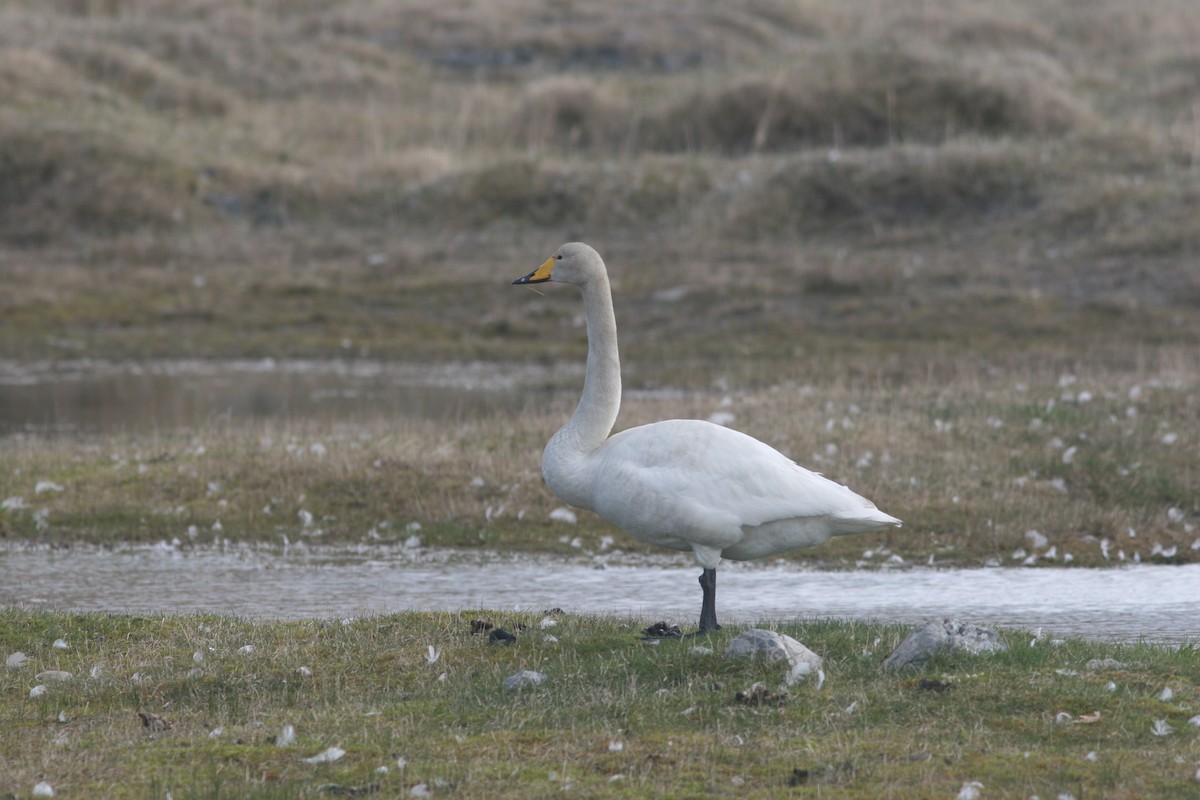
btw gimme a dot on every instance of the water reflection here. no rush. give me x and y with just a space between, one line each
1155 603
92 397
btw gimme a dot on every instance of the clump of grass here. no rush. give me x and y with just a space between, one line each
54 184
154 85
420 695
570 113
870 95
1011 29
875 96
517 36
563 195
882 189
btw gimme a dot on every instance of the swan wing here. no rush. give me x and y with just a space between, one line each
703 484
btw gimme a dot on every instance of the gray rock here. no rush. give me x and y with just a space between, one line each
943 634
522 679
774 646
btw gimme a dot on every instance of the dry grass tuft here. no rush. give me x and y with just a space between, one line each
521 37
875 96
878 189
565 195
60 183
146 80
571 114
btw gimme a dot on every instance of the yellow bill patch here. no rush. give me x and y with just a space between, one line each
540 274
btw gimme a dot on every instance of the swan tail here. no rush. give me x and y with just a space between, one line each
863 521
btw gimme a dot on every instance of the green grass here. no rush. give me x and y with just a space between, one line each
373 693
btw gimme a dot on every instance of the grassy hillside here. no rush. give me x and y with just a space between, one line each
1012 174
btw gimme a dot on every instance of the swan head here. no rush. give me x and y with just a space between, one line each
575 263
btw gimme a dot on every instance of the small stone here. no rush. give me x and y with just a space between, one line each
970 791
943 634
522 679
775 646
326 756
1036 539
564 514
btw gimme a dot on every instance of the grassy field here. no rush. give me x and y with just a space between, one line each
1102 464
944 252
416 700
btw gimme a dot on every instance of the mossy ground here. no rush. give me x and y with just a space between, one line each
616 717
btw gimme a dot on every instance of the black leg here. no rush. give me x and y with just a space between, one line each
708 606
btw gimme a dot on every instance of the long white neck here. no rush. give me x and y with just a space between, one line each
596 413
594 417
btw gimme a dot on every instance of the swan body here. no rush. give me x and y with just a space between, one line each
682 484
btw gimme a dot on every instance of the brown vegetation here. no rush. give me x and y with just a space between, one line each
140 116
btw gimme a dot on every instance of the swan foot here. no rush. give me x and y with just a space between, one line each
708 606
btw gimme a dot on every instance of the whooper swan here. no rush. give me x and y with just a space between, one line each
682 484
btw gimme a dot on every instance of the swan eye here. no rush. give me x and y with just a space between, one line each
558 257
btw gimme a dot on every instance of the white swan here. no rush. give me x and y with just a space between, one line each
682 484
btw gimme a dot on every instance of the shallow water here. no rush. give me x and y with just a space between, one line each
99 396
1157 603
